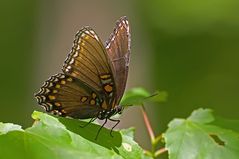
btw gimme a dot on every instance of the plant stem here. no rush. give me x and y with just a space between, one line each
154 141
150 131
159 152
148 125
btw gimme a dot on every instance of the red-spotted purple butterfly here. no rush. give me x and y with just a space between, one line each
93 79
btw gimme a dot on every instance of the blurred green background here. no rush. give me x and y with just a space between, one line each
188 48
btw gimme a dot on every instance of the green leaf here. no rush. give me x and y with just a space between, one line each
129 132
62 138
137 96
7 127
159 96
199 137
227 123
203 116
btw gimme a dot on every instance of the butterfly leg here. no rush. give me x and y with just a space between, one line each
100 129
91 120
117 122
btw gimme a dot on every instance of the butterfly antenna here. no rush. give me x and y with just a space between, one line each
152 95
117 122
100 129
91 120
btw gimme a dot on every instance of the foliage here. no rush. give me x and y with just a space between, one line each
61 138
138 95
200 136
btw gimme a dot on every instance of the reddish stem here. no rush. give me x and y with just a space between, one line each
160 151
147 123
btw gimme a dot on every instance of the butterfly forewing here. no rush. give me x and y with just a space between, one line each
118 49
87 60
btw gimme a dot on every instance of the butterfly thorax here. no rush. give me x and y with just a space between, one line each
105 114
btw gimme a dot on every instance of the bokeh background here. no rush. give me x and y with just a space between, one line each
188 48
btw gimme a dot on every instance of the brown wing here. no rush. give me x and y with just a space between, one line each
118 49
89 63
67 96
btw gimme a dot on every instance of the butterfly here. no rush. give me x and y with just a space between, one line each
93 79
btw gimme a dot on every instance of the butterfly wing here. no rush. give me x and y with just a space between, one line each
88 59
88 83
89 62
67 96
118 49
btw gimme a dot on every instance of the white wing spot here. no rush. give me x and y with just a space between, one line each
75 54
78 47
72 61
127 22
96 37
47 90
68 68
113 38
87 32
124 22
50 84
55 80
92 32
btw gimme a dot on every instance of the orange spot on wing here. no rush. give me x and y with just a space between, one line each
93 95
105 76
92 102
74 74
51 97
104 105
83 99
108 88
69 79
57 104
63 111
63 82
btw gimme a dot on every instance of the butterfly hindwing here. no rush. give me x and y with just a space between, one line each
118 49
67 96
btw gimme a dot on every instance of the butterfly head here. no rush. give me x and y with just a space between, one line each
119 109
105 114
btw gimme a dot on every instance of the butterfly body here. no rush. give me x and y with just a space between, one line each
93 79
